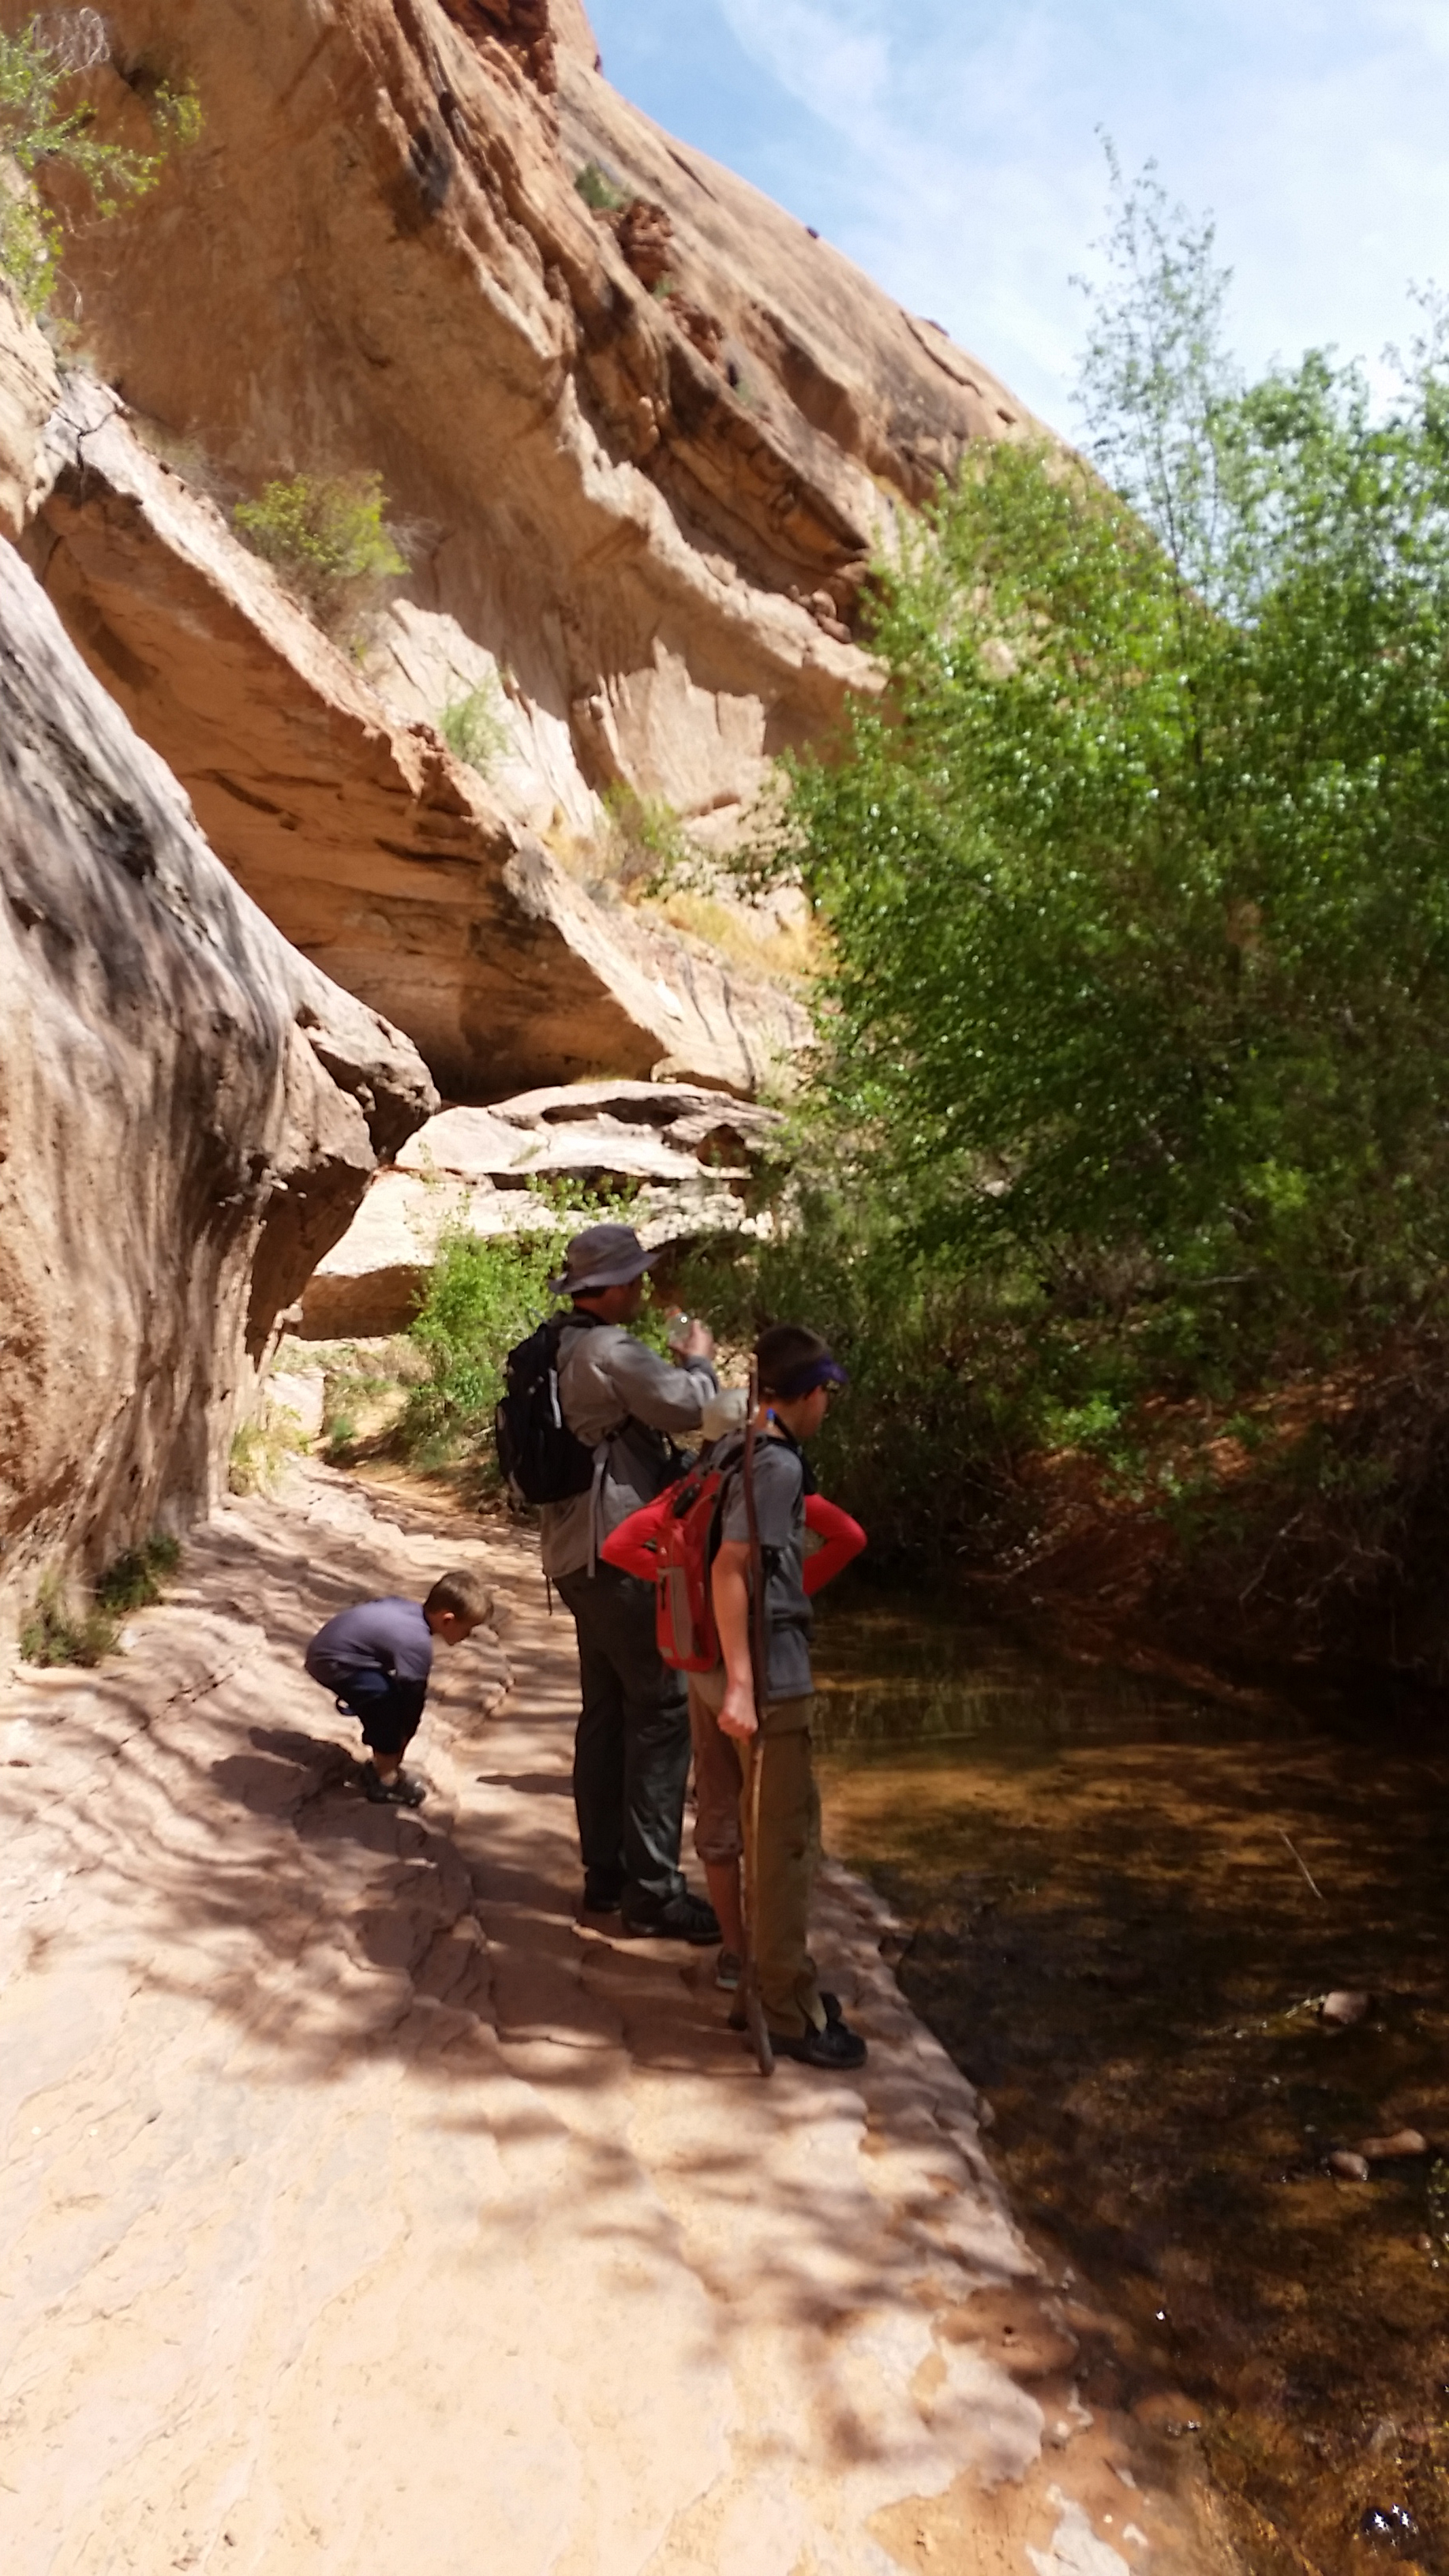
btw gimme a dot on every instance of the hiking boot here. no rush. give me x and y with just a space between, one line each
729 1967
683 1918
404 1789
836 2047
599 1898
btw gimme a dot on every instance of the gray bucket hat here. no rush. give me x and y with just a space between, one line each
603 1256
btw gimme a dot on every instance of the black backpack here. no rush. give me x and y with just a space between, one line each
539 1456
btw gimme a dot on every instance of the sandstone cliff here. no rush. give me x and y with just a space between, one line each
189 1114
419 886
639 452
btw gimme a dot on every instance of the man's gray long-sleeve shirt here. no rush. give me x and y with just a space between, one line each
609 1384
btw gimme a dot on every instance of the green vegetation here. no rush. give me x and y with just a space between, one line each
598 190
260 1450
133 1580
327 539
646 847
55 1634
484 1294
36 129
1132 1085
178 112
474 728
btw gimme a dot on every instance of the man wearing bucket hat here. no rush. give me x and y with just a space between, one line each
631 1754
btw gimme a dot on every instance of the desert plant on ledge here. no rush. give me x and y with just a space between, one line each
327 540
598 190
473 727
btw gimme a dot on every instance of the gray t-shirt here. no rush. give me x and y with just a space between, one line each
389 1637
780 1512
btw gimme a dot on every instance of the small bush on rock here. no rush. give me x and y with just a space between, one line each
133 1580
598 190
647 848
473 727
55 1634
260 1450
326 538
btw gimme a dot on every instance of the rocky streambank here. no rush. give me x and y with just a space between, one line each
359 2210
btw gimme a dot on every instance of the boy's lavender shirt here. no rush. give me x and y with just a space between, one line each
390 1637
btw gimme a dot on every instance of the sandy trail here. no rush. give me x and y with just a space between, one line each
359 2213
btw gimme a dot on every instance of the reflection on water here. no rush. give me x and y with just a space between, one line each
1128 1901
895 1674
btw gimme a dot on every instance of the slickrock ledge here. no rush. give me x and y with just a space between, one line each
359 2212
391 865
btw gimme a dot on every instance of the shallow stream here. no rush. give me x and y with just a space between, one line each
1128 1903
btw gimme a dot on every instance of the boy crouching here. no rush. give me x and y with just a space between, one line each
376 1658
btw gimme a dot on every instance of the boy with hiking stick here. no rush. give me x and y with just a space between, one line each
765 1697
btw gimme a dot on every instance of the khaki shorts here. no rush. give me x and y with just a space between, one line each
717 1774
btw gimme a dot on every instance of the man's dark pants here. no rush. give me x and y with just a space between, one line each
631 1755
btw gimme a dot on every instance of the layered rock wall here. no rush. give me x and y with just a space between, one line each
415 883
639 452
189 1114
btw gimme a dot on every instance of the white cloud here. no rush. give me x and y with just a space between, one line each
966 173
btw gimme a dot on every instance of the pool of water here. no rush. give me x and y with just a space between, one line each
1128 1902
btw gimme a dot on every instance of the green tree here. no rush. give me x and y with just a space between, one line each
37 130
1139 877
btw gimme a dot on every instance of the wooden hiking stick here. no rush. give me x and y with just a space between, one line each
753 1749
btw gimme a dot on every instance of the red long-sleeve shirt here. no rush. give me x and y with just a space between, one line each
630 1547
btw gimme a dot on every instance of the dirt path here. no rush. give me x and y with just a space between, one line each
359 2213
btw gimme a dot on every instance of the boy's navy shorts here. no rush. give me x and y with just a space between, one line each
387 1711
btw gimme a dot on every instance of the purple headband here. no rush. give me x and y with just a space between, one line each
810 1374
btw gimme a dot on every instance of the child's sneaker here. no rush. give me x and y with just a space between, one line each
837 2047
404 1789
729 1967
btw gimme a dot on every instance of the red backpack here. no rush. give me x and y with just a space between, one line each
685 1545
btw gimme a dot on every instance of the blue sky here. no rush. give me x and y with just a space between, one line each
950 147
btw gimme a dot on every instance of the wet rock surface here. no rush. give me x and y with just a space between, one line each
359 2210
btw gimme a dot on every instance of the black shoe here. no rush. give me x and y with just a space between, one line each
683 1918
837 2047
404 1789
599 1900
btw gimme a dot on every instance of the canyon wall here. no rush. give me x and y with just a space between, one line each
189 1114
639 453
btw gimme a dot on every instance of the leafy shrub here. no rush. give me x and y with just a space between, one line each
35 129
484 1293
646 848
178 112
598 190
474 729
54 1634
132 1580
260 1450
326 537
946 1374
